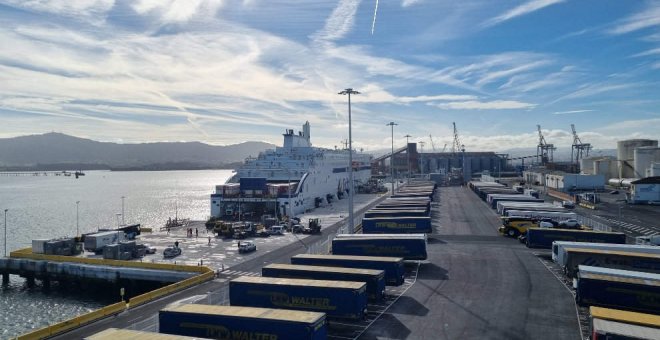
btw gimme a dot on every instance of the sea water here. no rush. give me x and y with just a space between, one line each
44 207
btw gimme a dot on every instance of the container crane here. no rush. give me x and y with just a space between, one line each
544 150
457 146
432 144
579 150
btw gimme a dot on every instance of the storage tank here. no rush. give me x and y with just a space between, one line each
644 157
605 166
587 165
626 154
653 170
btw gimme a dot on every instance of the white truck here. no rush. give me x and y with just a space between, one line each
95 242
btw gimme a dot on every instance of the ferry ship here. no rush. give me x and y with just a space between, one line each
289 180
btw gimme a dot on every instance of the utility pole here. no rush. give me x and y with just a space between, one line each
122 211
351 226
392 156
6 232
421 159
77 219
408 155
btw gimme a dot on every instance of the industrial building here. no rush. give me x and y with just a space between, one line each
571 182
635 156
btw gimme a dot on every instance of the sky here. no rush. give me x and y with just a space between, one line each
229 71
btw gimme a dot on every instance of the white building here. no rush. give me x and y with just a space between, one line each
645 190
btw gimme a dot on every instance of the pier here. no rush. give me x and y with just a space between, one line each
42 173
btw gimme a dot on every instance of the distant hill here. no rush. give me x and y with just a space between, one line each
56 151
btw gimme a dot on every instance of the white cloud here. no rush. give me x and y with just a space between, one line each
653 51
70 8
339 23
178 11
571 112
526 8
408 3
648 17
479 105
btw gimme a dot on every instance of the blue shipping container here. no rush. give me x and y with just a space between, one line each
338 299
543 237
253 183
231 322
409 248
393 266
375 279
396 225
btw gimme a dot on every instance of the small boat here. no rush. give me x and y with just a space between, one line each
171 252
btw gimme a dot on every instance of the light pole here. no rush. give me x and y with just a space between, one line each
77 220
122 211
351 228
392 156
463 165
421 159
408 156
6 232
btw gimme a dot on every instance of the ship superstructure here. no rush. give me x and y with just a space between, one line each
289 180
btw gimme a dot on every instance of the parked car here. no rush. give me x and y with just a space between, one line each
150 249
569 224
246 247
614 192
297 228
277 230
568 204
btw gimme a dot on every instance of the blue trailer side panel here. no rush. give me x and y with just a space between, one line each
375 283
396 225
215 326
394 271
408 249
543 237
336 302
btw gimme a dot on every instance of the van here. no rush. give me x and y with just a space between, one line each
276 230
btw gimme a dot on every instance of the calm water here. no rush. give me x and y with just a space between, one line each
45 207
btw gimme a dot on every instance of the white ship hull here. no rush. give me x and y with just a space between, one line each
289 180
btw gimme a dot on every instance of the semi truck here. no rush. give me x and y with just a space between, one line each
609 324
375 279
543 237
559 249
619 289
392 266
338 299
407 246
235 322
396 225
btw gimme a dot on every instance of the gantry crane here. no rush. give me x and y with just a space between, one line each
457 145
544 150
578 149
432 143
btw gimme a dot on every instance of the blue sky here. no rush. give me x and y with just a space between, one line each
227 71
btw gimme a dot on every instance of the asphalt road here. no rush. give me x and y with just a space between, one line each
476 284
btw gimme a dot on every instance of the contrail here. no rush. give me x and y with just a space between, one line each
373 24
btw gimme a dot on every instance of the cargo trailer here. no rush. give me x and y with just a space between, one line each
396 225
96 241
541 214
407 246
119 334
494 199
338 299
396 213
375 279
393 266
543 237
504 206
624 260
236 322
618 289
559 249
610 324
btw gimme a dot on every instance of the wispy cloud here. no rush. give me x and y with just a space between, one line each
653 51
571 112
648 17
526 8
177 11
339 23
408 3
479 105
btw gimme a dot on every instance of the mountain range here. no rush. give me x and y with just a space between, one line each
56 151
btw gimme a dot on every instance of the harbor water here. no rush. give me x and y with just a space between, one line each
41 207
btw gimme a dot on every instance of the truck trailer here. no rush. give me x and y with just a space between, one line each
234 322
543 237
610 324
96 241
396 225
118 334
559 249
338 299
407 246
618 289
375 279
624 260
393 266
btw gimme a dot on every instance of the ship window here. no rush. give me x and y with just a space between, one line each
213 202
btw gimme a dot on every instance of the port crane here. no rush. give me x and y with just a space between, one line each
579 150
432 144
444 148
457 145
543 149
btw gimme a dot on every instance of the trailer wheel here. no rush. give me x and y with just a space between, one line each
512 232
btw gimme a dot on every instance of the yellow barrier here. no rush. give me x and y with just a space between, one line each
587 205
72 323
